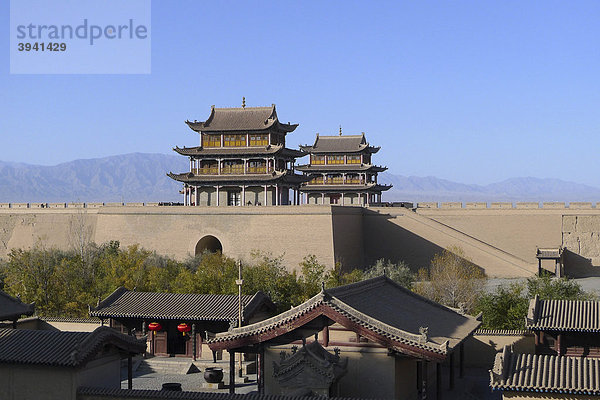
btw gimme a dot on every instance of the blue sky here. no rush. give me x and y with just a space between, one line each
471 91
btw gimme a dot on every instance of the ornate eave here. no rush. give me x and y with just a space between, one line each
341 168
329 305
227 179
369 187
269 150
247 119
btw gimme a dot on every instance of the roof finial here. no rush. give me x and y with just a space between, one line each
243 102
340 130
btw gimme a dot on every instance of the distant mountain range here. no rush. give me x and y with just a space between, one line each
142 177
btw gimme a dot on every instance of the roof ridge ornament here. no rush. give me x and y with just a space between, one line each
423 332
243 102
340 130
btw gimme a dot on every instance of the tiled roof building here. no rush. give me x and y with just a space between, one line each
565 327
241 160
340 171
389 317
128 310
552 376
45 364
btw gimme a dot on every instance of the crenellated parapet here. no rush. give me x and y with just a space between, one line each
509 205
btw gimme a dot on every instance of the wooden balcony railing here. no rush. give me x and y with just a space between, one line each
205 171
335 181
233 170
257 170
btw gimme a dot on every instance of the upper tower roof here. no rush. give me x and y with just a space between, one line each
340 144
241 119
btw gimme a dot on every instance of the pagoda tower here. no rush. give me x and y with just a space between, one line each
341 171
242 160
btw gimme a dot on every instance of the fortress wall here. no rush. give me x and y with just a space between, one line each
49 227
292 231
581 236
387 234
518 232
347 223
501 240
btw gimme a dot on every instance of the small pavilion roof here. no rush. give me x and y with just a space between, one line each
563 315
241 119
123 303
545 373
269 150
378 309
12 308
549 253
61 349
340 144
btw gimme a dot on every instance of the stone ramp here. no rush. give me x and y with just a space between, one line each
164 365
184 366
494 261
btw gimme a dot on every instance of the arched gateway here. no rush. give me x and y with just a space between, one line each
208 243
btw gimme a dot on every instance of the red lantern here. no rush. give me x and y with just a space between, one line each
154 326
183 328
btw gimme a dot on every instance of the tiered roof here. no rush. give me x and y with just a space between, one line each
241 119
12 308
61 349
374 187
340 144
545 373
123 303
337 167
273 177
563 315
378 309
239 151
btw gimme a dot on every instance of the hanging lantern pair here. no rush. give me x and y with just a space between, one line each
183 328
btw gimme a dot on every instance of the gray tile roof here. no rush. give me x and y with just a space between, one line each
545 373
123 303
162 394
12 308
370 187
554 253
341 168
234 179
58 348
239 151
340 144
383 307
241 119
563 315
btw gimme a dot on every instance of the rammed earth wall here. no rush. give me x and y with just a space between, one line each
501 240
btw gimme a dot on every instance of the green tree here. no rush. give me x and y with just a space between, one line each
337 277
398 272
549 288
452 279
504 308
268 274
